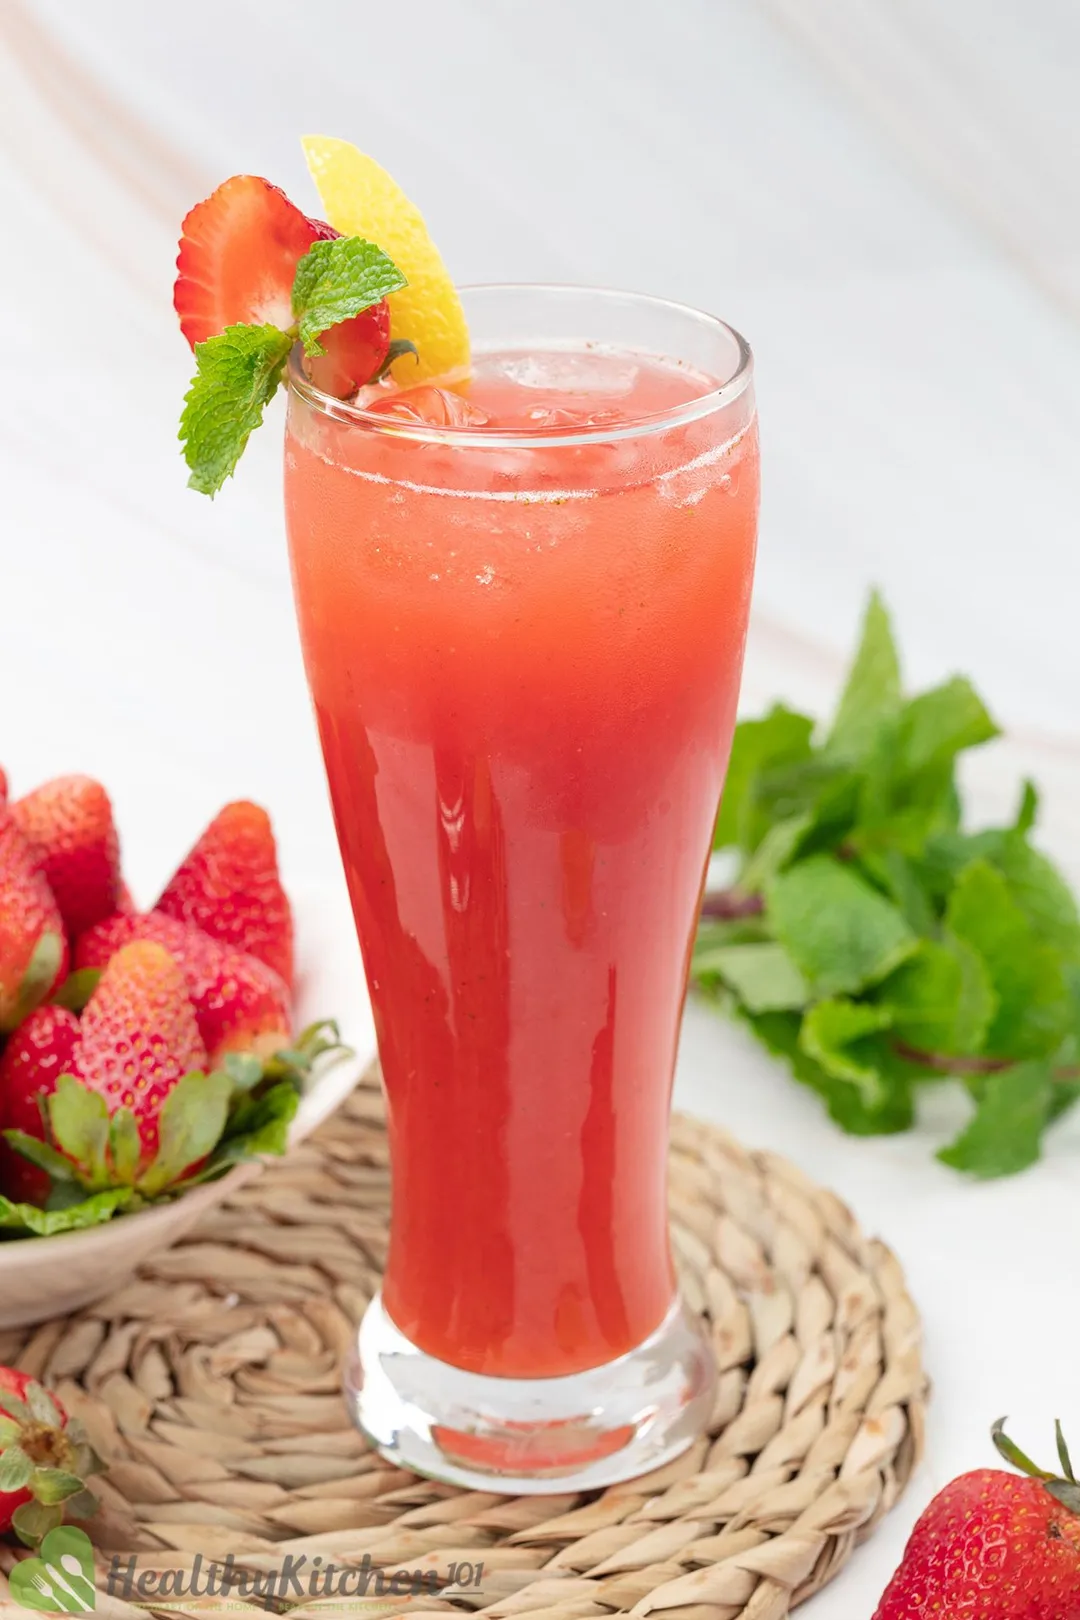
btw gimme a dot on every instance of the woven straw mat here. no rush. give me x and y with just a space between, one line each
211 1386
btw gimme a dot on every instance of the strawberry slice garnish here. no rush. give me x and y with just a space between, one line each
238 256
355 352
237 262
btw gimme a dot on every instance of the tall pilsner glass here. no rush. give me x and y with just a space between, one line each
524 634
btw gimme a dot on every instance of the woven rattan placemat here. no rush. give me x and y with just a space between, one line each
210 1384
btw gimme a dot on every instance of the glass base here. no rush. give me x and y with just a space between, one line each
527 1436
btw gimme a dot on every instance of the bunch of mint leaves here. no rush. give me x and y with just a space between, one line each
240 370
875 944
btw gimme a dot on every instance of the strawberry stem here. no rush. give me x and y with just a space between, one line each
1064 1490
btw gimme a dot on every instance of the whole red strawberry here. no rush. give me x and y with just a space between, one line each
137 1037
33 946
241 1004
994 1546
3 785
69 825
38 1445
230 888
40 1051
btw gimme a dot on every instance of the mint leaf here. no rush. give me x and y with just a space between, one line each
1034 1006
847 1105
831 1033
942 999
1067 1091
908 793
871 694
238 374
763 976
1039 890
1034 882
336 280
23 1220
936 726
1028 809
79 1121
898 878
776 850
821 790
1005 1134
191 1124
781 738
841 934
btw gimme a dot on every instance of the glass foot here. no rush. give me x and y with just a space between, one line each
526 1436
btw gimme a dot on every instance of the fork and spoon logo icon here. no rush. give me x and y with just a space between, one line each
61 1579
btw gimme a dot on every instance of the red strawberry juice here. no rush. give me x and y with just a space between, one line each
524 640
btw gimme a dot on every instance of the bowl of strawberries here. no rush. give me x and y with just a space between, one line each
150 1061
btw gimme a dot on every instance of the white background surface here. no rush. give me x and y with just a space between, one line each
883 194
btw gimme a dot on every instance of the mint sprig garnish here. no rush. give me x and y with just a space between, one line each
240 370
239 373
875 943
336 280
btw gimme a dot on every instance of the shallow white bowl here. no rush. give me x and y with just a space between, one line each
46 1277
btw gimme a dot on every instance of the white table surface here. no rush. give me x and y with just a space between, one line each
883 194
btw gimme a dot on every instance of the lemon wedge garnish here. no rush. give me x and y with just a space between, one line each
359 198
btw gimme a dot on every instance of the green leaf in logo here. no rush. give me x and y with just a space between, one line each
61 1580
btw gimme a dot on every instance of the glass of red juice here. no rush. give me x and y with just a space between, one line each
523 599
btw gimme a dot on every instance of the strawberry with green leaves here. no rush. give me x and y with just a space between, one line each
44 1460
241 1004
256 276
138 1037
39 1052
117 1109
33 944
69 826
229 887
134 1107
994 1546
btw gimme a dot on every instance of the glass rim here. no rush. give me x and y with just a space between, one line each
693 410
